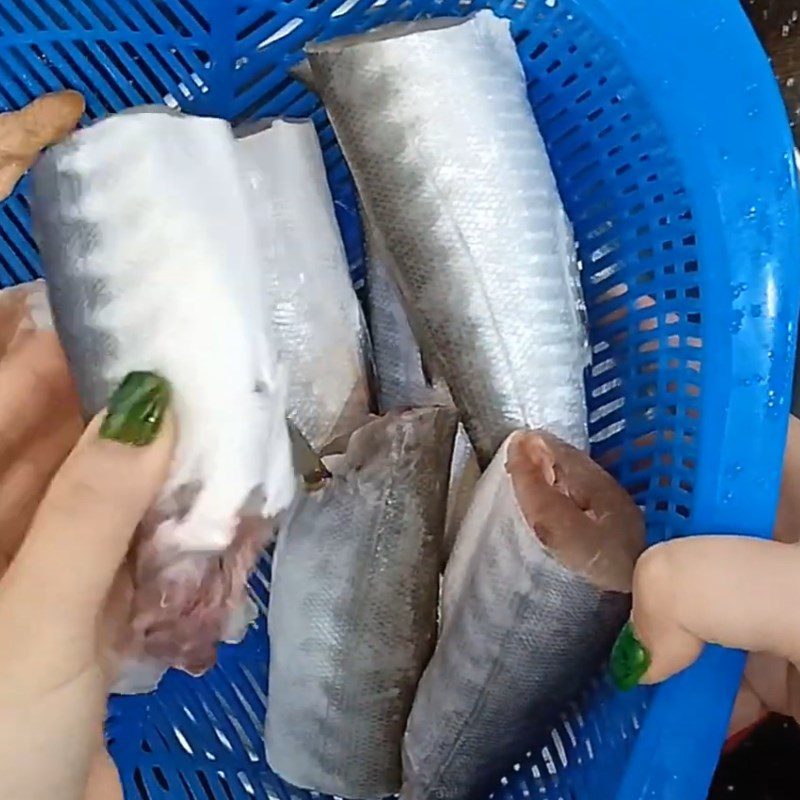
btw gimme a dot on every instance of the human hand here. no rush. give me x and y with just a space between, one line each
63 554
734 591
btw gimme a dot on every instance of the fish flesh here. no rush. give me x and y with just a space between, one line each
453 173
311 305
353 607
536 590
403 380
143 226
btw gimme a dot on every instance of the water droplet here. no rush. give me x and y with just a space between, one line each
736 321
550 3
738 289
755 310
784 31
751 212
790 82
240 62
771 355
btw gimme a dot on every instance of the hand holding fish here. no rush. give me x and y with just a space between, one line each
62 542
734 591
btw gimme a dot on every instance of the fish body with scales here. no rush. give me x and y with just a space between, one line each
353 607
150 257
535 592
453 173
312 307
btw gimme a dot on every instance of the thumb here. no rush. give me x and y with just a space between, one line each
83 527
733 591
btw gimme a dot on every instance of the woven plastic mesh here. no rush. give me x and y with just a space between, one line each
633 220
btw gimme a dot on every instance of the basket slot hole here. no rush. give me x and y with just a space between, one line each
102 15
607 387
538 51
10 21
282 32
49 16
607 432
141 787
176 24
161 779
593 115
245 783
606 410
151 24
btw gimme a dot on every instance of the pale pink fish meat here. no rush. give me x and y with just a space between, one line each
143 225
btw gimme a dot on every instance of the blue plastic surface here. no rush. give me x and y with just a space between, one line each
673 155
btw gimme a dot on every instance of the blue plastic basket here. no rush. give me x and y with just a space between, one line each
672 152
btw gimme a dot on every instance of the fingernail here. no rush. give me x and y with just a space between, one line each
629 660
136 409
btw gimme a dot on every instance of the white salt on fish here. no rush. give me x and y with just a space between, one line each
452 172
536 590
312 307
144 230
353 607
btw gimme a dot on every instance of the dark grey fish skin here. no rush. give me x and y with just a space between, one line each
75 298
528 614
454 175
353 608
402 378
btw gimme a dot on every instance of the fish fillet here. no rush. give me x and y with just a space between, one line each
454 175
314 312
353 608
537 588
143 226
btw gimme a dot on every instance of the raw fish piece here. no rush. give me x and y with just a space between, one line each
454 175
404 382
315 314
537 588
353 608
464 475
402 378
143 226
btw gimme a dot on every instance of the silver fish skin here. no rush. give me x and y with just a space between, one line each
464 475
312 307
150 257
353 607
402 379
453 172
537 588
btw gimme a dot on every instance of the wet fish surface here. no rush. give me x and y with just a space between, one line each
353 607
314 312
536 590
150 258
402 378
453 173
